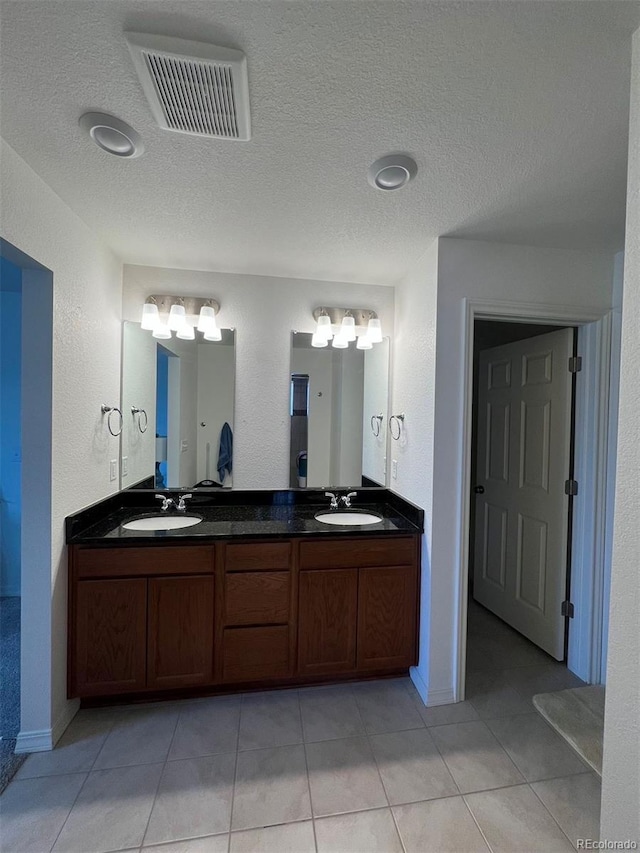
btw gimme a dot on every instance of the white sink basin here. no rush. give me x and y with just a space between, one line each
347 518
162 522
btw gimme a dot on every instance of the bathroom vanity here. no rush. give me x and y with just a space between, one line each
258 594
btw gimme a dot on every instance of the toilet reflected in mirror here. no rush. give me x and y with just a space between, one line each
338 406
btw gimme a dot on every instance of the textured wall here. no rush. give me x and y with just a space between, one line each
414 370
87 294
621 769
263 311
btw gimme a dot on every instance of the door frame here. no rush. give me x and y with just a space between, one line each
592 461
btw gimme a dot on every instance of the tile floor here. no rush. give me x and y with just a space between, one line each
353 769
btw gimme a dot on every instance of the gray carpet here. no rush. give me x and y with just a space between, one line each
578 716
9 688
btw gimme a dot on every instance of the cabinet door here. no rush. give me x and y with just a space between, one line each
387 617
327 616
110 634
180 631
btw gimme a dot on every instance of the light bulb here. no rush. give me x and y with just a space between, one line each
213 333
374 330
323 327
206 318
340 342
186 332
364 342
162 331
177 317
150 316
319 340
348 327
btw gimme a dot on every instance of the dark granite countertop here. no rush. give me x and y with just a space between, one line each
277 515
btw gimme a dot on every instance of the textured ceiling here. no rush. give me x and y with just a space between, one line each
515 112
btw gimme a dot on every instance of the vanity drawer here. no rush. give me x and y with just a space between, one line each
257 556
253 654
353 553
136 562
257 598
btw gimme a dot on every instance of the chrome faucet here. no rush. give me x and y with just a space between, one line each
181 502
334 499
346 499
167 503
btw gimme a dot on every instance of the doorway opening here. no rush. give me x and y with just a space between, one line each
520 513
26 401
589 540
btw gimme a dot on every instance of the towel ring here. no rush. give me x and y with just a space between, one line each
399 420
139 412
376 423
109 410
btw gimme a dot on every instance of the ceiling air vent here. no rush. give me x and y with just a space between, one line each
193 88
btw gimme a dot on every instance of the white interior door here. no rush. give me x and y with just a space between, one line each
524 435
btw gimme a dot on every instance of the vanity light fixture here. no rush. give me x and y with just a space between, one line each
374 330
323 326
348 327
319 340
177 316
150 315
163 315
345 325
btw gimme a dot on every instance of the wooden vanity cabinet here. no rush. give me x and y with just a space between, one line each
358 605
258 635
140 619
167 617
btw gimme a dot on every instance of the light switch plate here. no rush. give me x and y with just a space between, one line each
184 446
394 469
125 466
113 469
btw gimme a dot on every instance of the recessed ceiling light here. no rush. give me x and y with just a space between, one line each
112 134
392 172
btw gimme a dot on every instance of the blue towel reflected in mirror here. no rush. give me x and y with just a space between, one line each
225 453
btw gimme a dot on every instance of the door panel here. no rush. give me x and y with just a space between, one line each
110 648
524 436
386 617
327 620
180 633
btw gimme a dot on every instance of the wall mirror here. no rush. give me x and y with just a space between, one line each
338 414
178 409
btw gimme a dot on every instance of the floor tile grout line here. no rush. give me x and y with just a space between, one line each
81 788
475 820
160 777
384 787
306 764
549 811
235 772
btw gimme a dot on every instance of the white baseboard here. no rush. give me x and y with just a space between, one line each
37 740
441 696
43 740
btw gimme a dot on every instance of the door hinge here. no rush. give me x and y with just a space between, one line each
571 487
566 609
575 364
